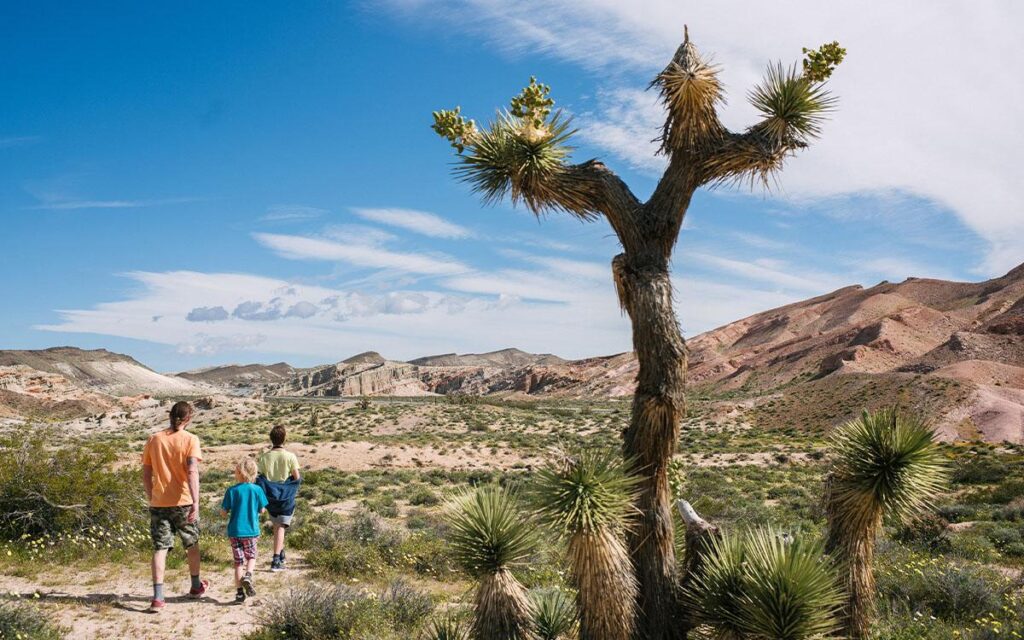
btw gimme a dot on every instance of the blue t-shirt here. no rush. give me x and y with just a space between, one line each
244 501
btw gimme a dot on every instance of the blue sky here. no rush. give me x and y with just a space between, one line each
195 183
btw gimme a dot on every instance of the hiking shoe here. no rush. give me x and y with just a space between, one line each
276 566
282 557
247 586
239 597
156 606
195 594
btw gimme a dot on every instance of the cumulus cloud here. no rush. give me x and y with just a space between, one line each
302 309
254 310
205 314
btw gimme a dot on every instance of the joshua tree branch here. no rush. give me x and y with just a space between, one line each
754 155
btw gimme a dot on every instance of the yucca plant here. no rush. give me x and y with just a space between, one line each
489 535
446 627
886 464
555 614
767 586
524 155
587 498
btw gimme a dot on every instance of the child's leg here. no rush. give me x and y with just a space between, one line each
278 539
238 555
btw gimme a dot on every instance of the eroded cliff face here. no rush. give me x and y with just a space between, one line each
356 379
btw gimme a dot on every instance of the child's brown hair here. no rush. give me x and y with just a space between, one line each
246 469
278 435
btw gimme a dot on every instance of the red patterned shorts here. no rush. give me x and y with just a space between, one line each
243 549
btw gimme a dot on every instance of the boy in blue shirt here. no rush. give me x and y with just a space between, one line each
244 502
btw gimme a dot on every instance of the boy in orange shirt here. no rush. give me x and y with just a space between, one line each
170 475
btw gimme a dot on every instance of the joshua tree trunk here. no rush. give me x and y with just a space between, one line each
650 440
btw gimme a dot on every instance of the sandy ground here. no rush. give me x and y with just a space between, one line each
362 456
112 602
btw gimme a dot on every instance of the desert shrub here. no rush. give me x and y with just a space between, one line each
972 545
48 491
424 497
928 531
983 468
317 612
22 622
932 586
367 546
960 512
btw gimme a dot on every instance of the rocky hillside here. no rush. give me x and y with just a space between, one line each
102 371
241 376
913 335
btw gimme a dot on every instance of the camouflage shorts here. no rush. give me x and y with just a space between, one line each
164 522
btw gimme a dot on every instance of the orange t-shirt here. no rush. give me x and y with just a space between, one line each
168 453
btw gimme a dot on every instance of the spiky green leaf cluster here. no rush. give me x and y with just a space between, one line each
766 585
554 614
886 462
793 106
488 530
821 62
451 125
584 492
502 161
446 627
533 104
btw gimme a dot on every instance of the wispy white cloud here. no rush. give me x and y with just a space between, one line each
70 205
306 248
7 142
776 273
292 213
422 222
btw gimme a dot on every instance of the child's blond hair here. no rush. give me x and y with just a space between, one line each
246 469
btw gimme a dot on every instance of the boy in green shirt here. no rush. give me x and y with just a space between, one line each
281 468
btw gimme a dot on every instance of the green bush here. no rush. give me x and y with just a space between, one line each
367 546
22 622
48 491
931 586
330 613
982 468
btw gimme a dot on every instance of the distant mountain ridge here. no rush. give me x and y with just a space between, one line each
955 347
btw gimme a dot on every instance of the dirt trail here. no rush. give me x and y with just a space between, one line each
111 601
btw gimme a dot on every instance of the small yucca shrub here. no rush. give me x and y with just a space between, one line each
588 499
768 586
885 464
554 614
489 535
446 627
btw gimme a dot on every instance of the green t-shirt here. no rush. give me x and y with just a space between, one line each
277 465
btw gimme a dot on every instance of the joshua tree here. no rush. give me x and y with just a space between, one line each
489 536
524 154
588 498
886 464
763 585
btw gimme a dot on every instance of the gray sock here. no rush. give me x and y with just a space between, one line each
158 591
197 584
